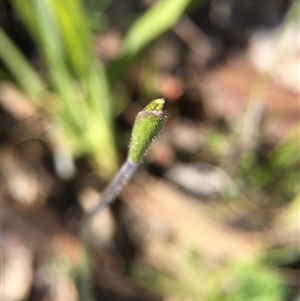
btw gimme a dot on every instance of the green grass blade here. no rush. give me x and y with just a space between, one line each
20 68
159 18
162 16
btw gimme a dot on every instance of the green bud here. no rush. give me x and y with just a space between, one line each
147 126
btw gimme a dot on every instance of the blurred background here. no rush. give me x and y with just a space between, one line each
213 213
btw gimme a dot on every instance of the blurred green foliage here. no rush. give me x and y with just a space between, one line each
279 175
20 68
162 16
83 117
194 280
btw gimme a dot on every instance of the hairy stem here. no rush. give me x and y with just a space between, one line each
113 189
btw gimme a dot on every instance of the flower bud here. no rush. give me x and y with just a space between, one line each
147 126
